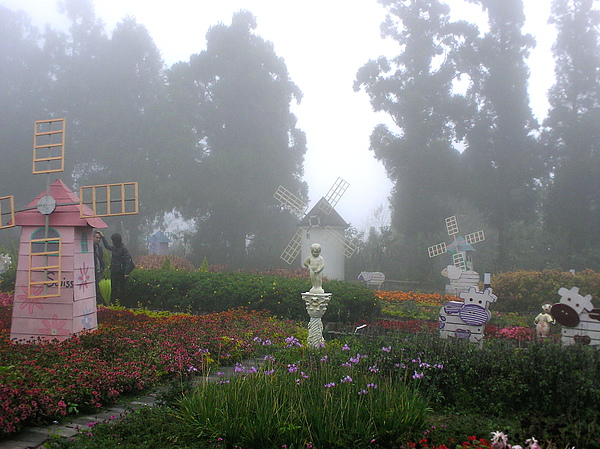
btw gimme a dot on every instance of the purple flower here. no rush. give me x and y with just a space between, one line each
267 343
417 375
292 341
363 391
346 379
268 373
346 347
373 386
386 349
374 369
330 385
325 359
292 368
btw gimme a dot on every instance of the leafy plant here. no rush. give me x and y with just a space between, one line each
105 287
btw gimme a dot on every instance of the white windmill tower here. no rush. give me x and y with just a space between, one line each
460 272
322 224
55 295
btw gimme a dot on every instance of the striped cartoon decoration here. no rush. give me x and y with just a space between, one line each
467 319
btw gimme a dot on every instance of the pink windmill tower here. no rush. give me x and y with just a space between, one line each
55 294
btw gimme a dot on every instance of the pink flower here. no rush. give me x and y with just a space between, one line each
84 278
55 326
31 303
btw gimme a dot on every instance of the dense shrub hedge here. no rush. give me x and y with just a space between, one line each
199 292
526 291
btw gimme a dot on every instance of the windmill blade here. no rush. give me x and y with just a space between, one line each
459 261
291 201
7 212
49 146
108 200
293 247
452 225
41 263
438 249
348 247
333 196
474 237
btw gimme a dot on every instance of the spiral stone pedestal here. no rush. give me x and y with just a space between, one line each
316 305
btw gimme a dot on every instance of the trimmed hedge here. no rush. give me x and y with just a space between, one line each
203 292
526 291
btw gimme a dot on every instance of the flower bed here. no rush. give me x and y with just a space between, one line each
430 299
130 352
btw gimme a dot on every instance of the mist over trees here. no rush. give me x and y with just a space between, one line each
210 139
533 187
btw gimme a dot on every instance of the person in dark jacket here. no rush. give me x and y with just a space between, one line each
120 265
99 264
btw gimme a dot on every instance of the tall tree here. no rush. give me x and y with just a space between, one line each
500 158
111 89
25 77
416 89
573 132
247 141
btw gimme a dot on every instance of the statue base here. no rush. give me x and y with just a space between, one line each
316 305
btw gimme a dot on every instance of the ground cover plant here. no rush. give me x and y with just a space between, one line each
129 352
411 391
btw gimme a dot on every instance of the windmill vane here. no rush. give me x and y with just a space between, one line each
459 245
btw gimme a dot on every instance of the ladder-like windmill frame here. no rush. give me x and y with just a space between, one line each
458 259
117 199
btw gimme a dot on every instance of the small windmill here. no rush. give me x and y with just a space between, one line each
55 295
460 248
322 224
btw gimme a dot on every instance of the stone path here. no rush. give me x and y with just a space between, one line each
35 437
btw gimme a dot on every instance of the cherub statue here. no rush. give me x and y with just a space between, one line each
543 321
315 265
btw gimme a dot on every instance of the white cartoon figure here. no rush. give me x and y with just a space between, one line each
467 319
578 317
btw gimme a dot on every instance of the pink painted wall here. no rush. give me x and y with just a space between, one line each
72 312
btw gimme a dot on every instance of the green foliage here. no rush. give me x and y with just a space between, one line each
211 292
204 266
542 390
7 279
537 380
311 402
105 287
144 428
166 265
526 291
